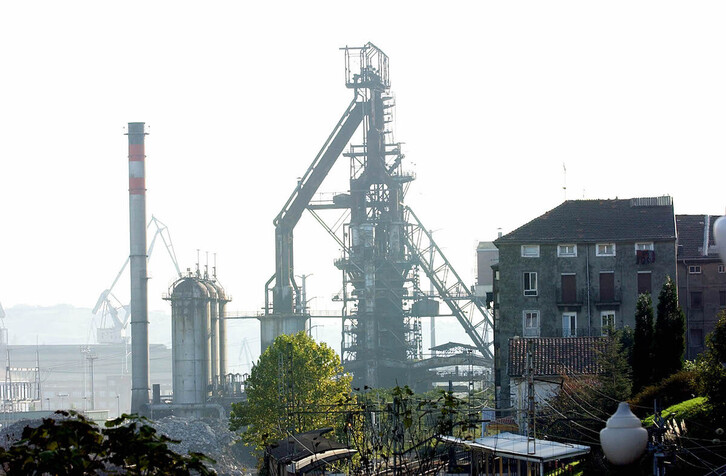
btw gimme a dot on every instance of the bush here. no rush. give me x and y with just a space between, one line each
680 386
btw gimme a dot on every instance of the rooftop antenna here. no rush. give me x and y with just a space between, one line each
214 267
206 266
564 179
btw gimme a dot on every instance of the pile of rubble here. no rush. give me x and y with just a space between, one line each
208 436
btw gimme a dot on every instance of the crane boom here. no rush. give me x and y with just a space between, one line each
108 308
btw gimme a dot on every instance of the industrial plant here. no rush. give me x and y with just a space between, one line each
386 249
393 275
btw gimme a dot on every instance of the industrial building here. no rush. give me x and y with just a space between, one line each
386 249
388 260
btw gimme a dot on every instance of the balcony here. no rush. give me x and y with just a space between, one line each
611 298
644 256
569 297
579 332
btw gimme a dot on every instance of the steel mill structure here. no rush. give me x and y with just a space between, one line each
385 247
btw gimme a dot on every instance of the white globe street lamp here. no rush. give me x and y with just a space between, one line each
623 439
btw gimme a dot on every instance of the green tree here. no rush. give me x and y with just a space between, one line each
642 361
614 375
669 342
395 430
294 387
74 445
711 368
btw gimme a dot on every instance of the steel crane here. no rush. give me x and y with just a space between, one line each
114 314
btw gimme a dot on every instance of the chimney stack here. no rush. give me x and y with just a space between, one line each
137 265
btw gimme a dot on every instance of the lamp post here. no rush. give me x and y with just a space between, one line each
62 397
623 439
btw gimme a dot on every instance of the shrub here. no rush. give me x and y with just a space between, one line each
680 386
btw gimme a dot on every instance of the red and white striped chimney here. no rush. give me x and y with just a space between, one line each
137 266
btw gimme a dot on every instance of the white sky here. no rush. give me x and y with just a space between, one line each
492 98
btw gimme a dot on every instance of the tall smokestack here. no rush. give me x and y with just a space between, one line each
137 262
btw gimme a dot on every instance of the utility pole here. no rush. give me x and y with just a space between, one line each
531 433
90 357
657 447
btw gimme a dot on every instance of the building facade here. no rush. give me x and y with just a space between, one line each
577 271
701 279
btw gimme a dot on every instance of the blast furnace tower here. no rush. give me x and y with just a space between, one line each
384 245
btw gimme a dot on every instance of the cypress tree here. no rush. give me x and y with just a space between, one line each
669 342
614 375
642 361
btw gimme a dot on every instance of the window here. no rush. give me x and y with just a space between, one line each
605 249
722 298
607 286
644 246
644 283
566 251
696 299
569 324
530 284
694 270
530 322
696 337
721 269
607 318
530 251
569 288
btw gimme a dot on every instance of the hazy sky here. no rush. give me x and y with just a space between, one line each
492 98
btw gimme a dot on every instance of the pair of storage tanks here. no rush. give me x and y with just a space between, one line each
198 339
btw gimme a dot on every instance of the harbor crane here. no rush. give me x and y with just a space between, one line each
114 314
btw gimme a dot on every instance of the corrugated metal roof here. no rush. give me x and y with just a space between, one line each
519 447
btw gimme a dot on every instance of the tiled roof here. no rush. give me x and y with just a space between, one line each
690 236
556 355
581 221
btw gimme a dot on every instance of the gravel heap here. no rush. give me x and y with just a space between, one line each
211 437
208 436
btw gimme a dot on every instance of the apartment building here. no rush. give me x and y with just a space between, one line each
577 271
701 279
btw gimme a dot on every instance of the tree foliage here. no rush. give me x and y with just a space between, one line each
642 361
614 376
669 342
294 387
711 368
74 445
395 430
585 402
678 387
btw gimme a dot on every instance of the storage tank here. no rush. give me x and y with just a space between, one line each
222 301
212 335
190 322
